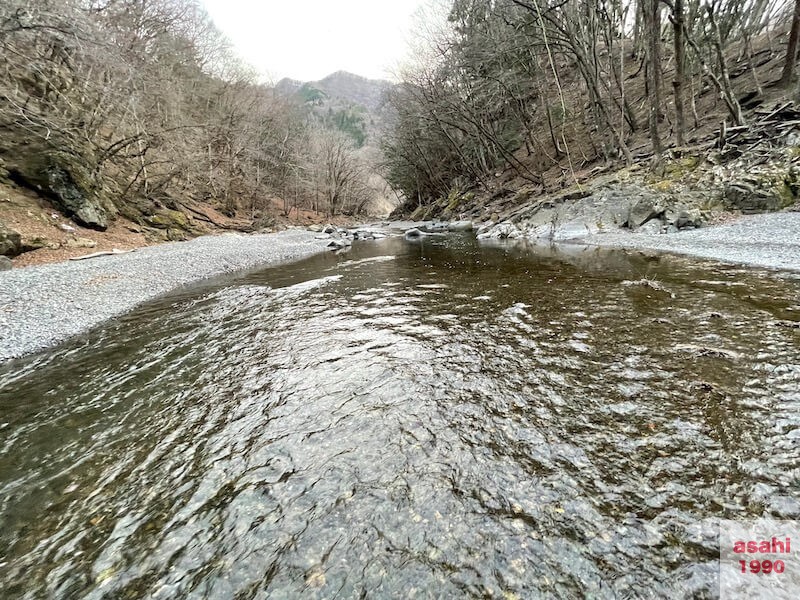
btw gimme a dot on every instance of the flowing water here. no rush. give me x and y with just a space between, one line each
433 419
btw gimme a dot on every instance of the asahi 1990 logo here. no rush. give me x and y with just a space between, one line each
757 559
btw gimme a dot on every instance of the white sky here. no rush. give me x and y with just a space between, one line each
309 39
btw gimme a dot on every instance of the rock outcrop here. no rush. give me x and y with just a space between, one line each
65 180
752 195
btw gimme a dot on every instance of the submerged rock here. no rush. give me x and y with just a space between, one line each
649 284
413 234
707 351
339 244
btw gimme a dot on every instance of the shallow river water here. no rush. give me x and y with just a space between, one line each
429 419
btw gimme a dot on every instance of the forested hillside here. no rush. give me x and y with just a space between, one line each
356 107
544 95
140 110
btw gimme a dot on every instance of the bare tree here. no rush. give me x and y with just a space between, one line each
791 50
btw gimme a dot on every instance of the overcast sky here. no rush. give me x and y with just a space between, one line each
309 39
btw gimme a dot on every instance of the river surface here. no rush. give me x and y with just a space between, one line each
429 419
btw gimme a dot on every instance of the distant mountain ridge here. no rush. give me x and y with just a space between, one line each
343 85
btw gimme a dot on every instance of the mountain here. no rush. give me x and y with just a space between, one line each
355 106
342 87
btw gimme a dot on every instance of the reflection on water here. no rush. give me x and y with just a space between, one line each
408 419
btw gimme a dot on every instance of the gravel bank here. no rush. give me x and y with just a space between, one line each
769 240
41 306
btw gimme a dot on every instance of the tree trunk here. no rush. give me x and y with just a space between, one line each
730 98
791 51
653 16
680 61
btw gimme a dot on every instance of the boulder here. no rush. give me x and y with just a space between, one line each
752 197
484 228
577 228
81 242
688 218
460 226
502 231
363 234
5 263
65 179
413 234
652 227
10 242
641 212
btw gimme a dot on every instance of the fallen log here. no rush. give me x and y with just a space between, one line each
103 253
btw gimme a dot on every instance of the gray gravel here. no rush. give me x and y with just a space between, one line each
41 306
770 240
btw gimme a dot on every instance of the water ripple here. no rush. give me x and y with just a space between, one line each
421 420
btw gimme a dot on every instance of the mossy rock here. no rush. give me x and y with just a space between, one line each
430 213
10 242
787 193
167 219
453 200
34 243
4 174
762 193
664 185
176 235
417 214
677 168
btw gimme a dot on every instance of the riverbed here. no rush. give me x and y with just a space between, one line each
426 418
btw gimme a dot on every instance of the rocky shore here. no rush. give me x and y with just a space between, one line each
770 240
43 305
751 170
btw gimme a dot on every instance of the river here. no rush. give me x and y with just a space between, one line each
409 419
